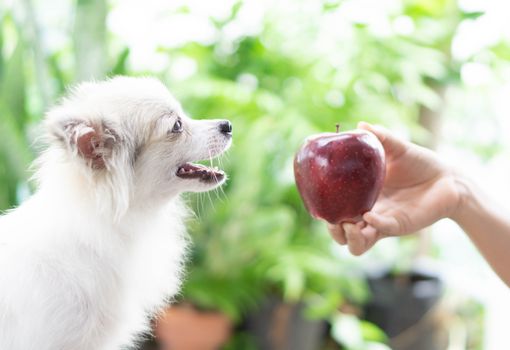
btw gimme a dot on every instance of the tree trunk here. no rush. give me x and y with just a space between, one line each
90 44
34 38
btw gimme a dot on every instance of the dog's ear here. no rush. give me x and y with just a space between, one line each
94 142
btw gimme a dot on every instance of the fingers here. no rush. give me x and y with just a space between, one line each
338 234
388 225
393 146
371 235
362 236
355 239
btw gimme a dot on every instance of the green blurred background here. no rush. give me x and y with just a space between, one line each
431 70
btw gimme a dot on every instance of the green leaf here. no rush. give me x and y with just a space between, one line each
472 15
371 332
12 87
120 66
346 330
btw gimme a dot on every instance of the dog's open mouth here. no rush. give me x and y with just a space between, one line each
201 172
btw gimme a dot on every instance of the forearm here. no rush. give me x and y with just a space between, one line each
487 225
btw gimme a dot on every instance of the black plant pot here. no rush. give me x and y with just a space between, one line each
406 306
280 326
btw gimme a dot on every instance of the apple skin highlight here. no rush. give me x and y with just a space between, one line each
339 175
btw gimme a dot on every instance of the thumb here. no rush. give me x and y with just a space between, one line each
385 225
393 146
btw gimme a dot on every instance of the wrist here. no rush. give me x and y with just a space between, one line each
465 198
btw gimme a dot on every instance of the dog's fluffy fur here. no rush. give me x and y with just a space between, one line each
99 247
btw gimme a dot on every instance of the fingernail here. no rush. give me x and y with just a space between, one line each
367 217
347 226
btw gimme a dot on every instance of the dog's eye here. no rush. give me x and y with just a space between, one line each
177 128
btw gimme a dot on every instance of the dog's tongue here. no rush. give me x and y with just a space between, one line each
198 171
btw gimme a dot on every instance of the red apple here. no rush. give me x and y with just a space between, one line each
339 175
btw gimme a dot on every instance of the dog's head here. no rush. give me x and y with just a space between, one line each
133 135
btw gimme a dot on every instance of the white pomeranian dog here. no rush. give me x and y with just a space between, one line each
99 248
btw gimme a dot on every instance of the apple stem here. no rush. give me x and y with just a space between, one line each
337 128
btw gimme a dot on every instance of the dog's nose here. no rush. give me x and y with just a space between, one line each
226 127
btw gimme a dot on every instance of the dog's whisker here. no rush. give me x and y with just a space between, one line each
200 205
220 189
217 189
210 199
211 161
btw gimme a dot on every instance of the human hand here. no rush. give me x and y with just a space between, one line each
418 190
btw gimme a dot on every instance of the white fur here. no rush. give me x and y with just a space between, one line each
94 252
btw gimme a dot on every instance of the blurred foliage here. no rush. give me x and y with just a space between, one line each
253 238
354 334
275 99
15 153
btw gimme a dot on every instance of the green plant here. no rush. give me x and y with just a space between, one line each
14 151
257 239
354 334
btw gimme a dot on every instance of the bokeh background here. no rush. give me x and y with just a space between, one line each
433 71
